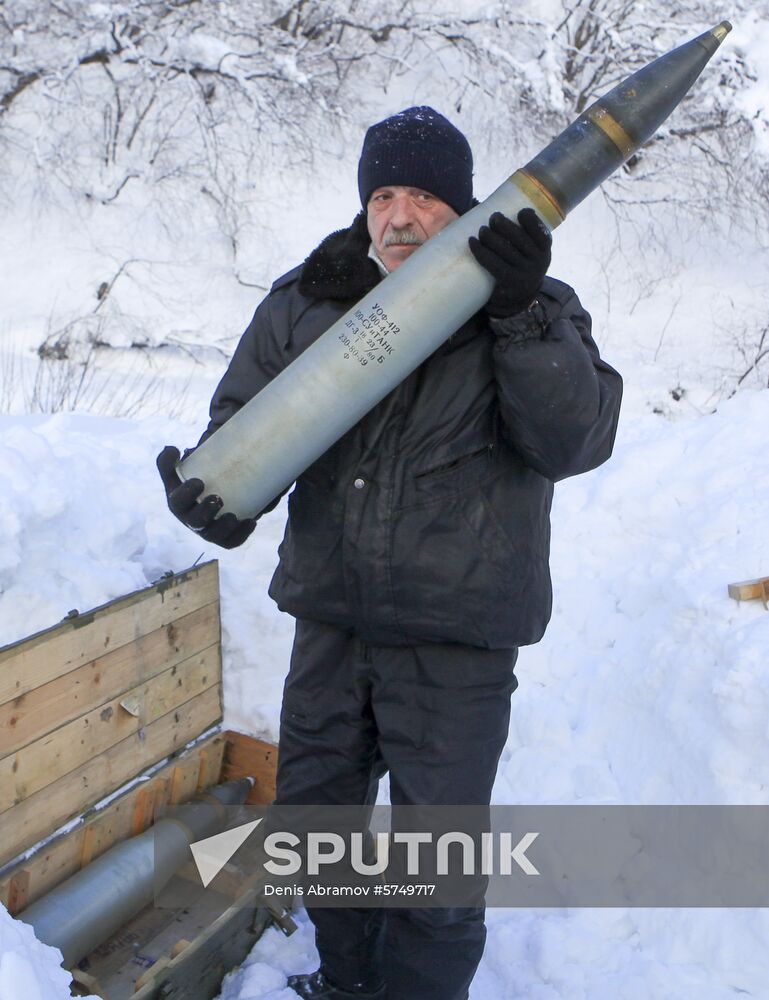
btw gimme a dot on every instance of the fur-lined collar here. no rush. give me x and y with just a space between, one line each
340 268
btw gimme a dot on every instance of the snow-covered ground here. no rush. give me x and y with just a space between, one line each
650 686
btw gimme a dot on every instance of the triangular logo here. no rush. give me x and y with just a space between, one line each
213 853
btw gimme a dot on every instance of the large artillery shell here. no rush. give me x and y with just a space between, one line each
263 448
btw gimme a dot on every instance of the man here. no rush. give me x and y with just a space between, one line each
415 557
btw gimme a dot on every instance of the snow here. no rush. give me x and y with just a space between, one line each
202 50
650 685
28 968
751 38
600 954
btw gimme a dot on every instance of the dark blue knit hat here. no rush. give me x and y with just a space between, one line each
418 148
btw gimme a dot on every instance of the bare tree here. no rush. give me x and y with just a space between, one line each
183 106
154 91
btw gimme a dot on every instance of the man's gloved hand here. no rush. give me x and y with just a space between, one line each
227 530
516 256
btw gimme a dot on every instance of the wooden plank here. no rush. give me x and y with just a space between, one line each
90 845
71 795
246 757
18 891
143 811
203 766
139 943
65 698
179 947
122 818
46 760
751 590
200 968
28 664
88 985
154 970
211 766
162 795
184 781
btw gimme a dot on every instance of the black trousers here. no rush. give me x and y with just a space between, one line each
436 717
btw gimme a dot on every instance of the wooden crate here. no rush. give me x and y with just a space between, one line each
121 704
751 590
91 703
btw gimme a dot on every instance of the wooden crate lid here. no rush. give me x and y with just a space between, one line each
89 704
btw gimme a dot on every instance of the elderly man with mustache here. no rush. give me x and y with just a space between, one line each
415 557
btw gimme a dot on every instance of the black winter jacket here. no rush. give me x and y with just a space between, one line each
429 520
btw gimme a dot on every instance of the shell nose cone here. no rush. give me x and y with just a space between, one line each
620 122
711 40
721 30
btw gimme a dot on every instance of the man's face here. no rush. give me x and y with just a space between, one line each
400 219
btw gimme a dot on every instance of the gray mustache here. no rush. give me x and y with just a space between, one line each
404 236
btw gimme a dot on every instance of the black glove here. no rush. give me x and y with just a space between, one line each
516 256
227 530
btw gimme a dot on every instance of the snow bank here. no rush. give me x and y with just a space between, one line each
28 968
649 679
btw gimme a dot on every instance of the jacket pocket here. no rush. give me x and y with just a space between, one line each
456 474
299 714
452 567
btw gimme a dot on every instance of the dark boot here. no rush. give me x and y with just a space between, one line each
315 986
